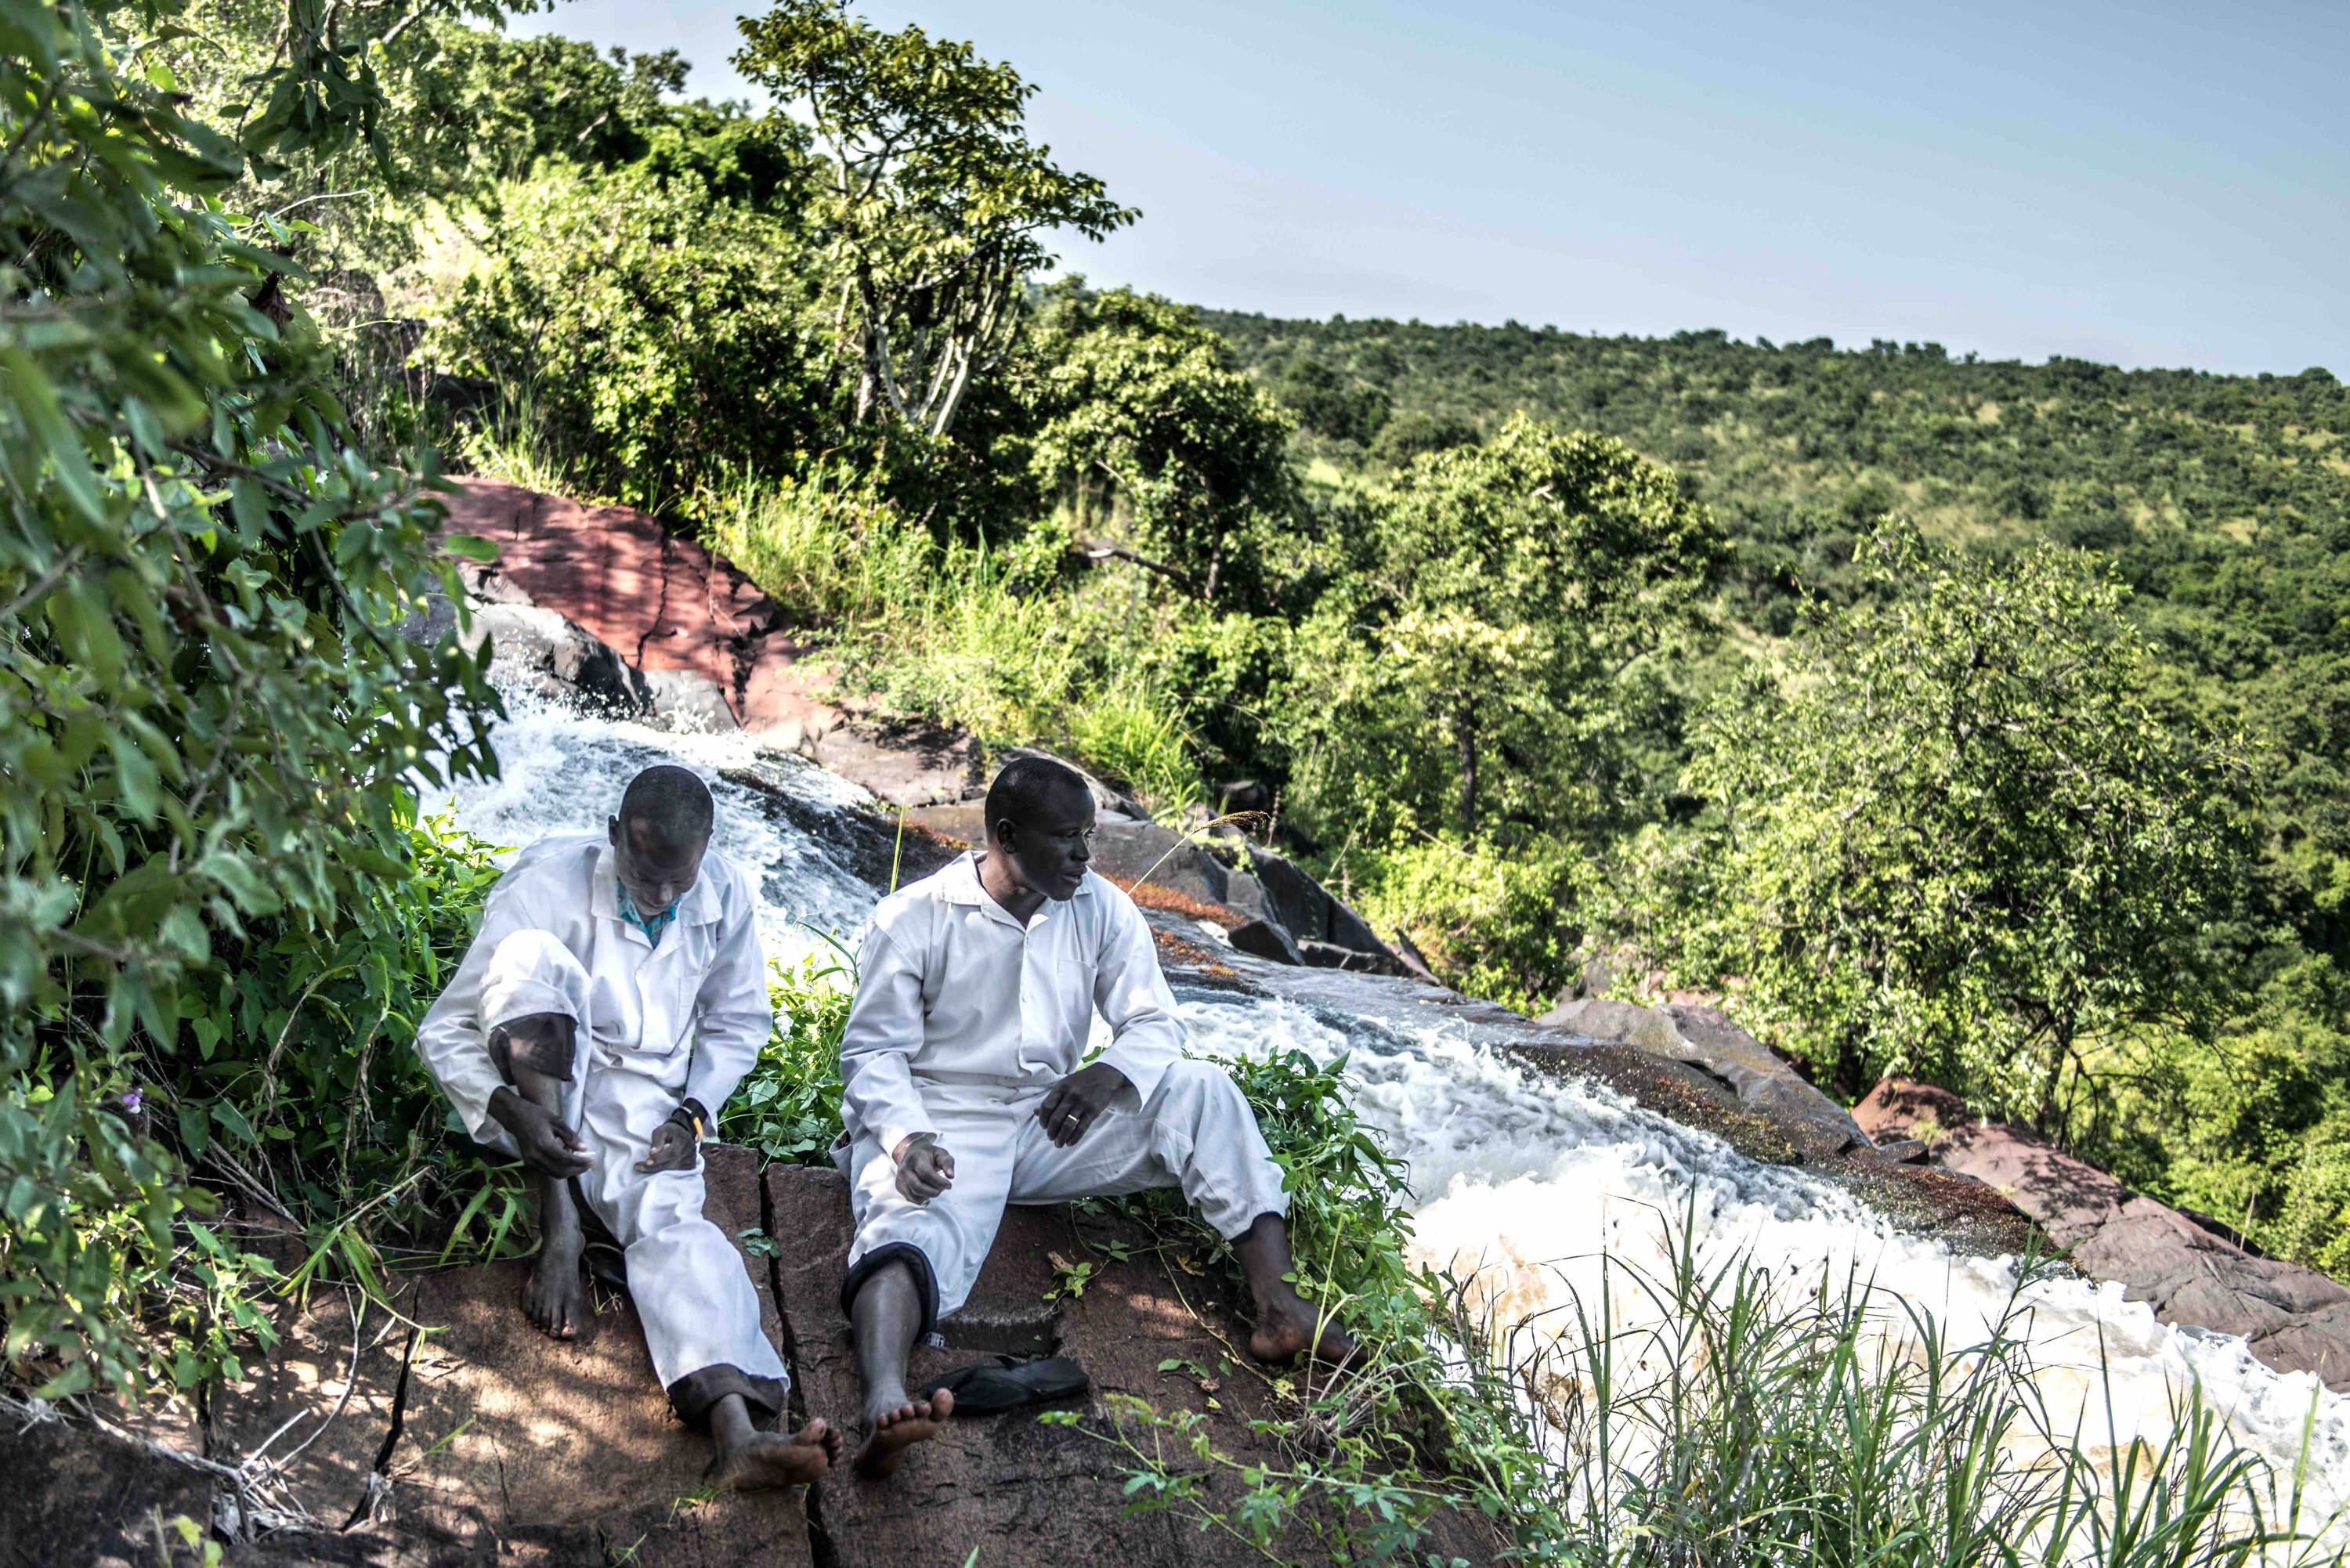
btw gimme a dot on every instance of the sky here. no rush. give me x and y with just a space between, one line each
2160 184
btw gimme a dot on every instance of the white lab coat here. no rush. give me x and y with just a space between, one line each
655 1025
963 1019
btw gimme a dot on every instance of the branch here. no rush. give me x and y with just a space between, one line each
1102 550
42 583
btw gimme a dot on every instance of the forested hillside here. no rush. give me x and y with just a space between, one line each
1979 721
2220 503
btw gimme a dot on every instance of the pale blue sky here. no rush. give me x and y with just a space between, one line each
2163 183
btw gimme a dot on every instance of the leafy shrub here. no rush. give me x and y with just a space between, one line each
788 1107
1959 839
659 331
205 726
1505 927
1130 733
828 549
1476 659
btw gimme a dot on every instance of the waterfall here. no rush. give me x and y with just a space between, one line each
1525 1183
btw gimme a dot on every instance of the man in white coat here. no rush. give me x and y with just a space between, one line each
614 996
965 1088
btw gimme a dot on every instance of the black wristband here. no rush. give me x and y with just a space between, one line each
690 1114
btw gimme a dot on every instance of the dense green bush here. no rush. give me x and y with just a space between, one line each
659 331
1140 425
1485 651
207 725
2251 1126
1503 923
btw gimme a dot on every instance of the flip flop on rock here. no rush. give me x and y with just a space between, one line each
992 1387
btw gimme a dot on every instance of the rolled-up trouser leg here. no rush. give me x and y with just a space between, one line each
952 1232
532 973
690 1288
1196 1131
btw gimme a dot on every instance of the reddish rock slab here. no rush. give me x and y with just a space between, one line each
1017 1490
662 602
670 609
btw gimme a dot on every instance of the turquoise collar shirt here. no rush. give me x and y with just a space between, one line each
652 926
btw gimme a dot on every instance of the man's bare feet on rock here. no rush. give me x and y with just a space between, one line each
767 1460
557 1297
894 1431
1285 1333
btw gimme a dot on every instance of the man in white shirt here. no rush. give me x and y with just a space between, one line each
963 1090
597 1040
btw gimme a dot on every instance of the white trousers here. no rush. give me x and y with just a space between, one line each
1196 1131
691 1292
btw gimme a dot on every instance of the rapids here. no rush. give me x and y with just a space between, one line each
1523 1184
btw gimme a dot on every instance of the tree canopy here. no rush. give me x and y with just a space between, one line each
207 717
932 202
1959 839
1475 661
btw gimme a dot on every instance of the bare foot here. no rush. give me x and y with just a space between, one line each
767 1460
1284 1333
557 1297
896 1430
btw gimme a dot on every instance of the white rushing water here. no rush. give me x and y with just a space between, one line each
1525 1184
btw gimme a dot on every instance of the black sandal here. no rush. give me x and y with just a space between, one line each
992 1387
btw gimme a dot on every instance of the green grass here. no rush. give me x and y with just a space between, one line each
997 640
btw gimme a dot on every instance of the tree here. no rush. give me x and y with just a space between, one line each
207 720
1958 836
662 335
1476 660
932 202
1407 436
1327 404
1141 423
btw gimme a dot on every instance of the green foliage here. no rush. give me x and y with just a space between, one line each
931 200
2220 501
658 330
830 549
1477 660
1767 1419
1375 1456
1416 433
1327 404
788 1107
2252 1128
207 722
1956 837
1502 923
299 1089
1132 734
1142 424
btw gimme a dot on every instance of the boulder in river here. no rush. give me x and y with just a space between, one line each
1706 1039
539 651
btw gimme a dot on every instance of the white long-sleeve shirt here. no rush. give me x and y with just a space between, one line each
950 990
692 1014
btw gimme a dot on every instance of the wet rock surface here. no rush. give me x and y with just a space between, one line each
1705 1038
2292 1318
